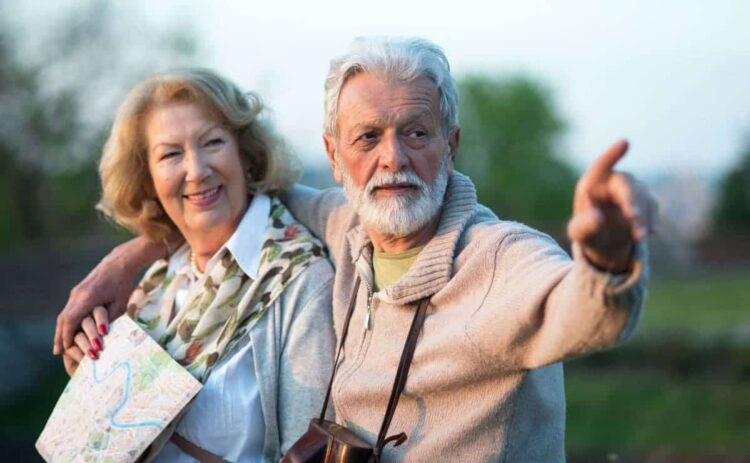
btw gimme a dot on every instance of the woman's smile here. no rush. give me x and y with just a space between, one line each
205 197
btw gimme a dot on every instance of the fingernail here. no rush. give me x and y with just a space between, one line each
102 329
92 354
97 344
55 350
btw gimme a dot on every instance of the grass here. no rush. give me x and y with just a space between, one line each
709 304
625 413
646 406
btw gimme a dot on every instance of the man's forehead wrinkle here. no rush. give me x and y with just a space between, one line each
377 102
401 115
405 112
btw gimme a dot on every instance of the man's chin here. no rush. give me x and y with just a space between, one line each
393 215
386 199
395 223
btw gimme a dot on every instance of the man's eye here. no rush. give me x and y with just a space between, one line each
368 136
418 133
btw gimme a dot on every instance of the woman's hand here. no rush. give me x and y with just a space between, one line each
88 340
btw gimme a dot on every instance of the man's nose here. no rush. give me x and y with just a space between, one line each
392 155
197 169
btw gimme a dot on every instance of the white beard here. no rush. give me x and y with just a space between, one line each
402 215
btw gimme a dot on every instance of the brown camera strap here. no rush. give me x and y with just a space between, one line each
400 381
344 332
401 374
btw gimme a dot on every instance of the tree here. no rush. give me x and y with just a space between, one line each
510 147
732 212
60 82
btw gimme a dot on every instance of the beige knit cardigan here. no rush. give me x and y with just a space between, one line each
508 305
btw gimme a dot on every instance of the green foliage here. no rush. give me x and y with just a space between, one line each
510 147
61 79
732 213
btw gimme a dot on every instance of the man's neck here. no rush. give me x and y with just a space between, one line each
389 243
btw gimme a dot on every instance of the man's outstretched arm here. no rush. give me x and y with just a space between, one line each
611 212
540 308
109 285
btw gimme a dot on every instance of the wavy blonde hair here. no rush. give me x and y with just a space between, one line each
128 193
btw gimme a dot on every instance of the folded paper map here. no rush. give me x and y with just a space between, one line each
113 408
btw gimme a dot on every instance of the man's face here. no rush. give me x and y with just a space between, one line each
391 153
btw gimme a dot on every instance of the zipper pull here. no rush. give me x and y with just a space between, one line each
368 316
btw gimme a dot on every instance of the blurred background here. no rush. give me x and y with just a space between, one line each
545 87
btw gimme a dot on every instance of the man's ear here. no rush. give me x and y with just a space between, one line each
453 139
330 145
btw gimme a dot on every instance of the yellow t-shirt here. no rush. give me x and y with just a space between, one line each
390 266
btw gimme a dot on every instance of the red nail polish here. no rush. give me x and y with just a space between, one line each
92 354
97 344
102 329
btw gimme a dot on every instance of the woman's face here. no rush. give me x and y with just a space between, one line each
197 172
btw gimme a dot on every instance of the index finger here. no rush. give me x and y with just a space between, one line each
68 332
71 318
605 163
64 331
57 345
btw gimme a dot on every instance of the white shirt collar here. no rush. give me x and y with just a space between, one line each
247 241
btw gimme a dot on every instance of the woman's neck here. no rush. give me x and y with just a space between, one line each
204 248
206 242
201 259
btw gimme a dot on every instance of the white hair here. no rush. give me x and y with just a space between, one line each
404 59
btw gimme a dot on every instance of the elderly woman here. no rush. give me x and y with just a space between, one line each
244 303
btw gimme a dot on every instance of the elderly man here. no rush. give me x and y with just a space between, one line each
507 304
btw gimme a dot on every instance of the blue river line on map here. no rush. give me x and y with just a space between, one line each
126 365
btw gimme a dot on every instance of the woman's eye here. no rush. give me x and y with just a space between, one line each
215 142
170 154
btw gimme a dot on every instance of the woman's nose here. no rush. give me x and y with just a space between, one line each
197 169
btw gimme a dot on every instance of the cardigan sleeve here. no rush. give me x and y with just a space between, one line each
306 352
312 207
541 307
326 213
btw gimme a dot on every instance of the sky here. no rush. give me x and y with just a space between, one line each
673 77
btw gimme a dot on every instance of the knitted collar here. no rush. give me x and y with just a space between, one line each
433 268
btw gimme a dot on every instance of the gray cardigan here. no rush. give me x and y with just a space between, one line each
293 345
507 305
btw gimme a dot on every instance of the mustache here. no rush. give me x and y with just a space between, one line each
394 178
